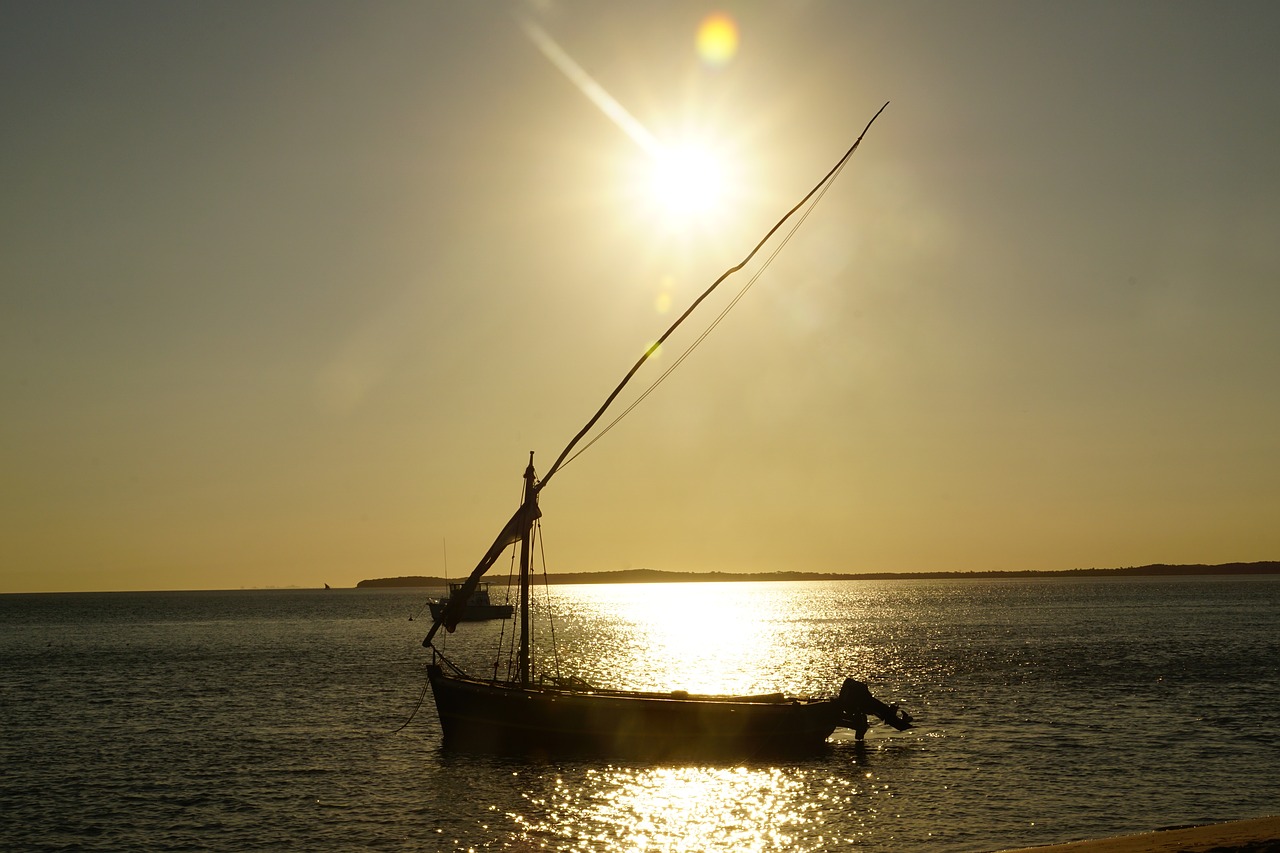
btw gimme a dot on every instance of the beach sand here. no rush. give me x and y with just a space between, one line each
1261 835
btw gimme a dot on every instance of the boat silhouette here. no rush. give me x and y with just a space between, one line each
539 713
478 607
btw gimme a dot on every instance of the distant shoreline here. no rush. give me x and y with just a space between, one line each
1268 567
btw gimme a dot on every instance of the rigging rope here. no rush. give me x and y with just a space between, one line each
711 327
724 275
551 613
497 661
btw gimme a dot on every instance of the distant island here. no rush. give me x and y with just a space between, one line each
1269 567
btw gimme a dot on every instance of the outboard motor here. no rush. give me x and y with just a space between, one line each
856 702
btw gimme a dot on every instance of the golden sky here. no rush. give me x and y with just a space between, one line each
291 289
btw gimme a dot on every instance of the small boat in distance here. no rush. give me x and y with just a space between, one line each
537 710
478 607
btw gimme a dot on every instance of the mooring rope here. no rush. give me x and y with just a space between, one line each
414 713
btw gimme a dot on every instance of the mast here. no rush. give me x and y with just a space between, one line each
526 528
516 530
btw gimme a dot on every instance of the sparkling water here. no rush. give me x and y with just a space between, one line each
1047 710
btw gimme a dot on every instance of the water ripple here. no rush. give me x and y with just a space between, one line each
1048 710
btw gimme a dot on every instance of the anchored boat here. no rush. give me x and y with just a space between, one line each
533 712
478 607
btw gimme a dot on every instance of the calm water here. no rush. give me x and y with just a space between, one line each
1048 710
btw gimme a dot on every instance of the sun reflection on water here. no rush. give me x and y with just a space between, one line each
675 809
711 638
703 637
798 638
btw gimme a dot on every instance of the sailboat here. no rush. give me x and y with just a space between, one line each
533 713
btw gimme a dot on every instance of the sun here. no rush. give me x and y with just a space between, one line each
687 180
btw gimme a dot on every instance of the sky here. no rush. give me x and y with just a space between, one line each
291 289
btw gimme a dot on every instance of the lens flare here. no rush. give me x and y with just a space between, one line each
717 39
665 289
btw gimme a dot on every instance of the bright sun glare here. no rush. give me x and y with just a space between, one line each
687 180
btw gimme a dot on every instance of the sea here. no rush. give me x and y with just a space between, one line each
1047 710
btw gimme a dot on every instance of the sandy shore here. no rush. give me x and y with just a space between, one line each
1261 835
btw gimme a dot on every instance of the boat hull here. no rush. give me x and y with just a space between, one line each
475 612
501 717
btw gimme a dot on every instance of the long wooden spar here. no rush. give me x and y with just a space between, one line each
521 522
724 275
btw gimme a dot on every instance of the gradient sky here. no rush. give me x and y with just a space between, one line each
290 289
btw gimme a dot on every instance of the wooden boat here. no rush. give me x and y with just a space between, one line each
567 718
478 608
530 712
